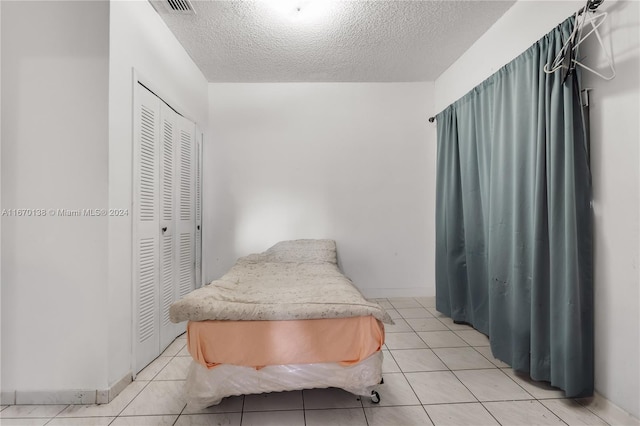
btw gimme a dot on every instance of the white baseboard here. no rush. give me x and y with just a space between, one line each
76 397
608 411
119 386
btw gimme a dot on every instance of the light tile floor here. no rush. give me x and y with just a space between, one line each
435 373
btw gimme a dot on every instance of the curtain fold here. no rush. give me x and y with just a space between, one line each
513 218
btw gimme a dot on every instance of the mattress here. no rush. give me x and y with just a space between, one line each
292 280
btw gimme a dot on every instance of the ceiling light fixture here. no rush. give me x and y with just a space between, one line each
302 11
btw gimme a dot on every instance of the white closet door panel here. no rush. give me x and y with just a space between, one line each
168 136
186 211
187 257
146 294
186 173
167 275
198 196
166 166
145 224
147 155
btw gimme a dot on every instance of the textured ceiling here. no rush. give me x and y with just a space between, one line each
326 40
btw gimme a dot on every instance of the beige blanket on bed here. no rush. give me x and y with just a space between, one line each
290 281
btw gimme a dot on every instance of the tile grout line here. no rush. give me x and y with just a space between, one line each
490 413
534 398
132 399
554 413
494 367
429 348
590 410
167 365
407 380
500 369
477 399
364 413
457 378
242 409
409 383
304 410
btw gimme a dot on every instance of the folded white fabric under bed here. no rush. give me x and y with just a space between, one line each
205 387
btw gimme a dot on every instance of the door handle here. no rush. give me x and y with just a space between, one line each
164 229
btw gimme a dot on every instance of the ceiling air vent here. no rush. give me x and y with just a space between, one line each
182 7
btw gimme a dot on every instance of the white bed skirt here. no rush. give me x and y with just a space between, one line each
206 387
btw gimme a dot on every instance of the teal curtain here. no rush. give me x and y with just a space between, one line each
514 218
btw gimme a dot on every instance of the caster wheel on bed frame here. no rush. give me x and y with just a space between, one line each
375 397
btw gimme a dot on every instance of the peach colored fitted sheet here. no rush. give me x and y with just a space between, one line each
261 343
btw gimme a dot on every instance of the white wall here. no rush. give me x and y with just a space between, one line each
615 112
139 40
67 78
615 162
54 146
346 161
521 26
1 204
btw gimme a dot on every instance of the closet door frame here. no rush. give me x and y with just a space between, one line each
138 79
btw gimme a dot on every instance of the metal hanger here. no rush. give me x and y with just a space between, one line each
567 57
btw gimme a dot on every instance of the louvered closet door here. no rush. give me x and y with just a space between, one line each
164 217
185 197
145 227
168 283
198 194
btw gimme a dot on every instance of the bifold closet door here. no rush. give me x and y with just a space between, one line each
146 225
164 221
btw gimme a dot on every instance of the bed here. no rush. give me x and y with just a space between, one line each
284 319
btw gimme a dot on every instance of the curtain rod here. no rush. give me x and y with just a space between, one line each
591 5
